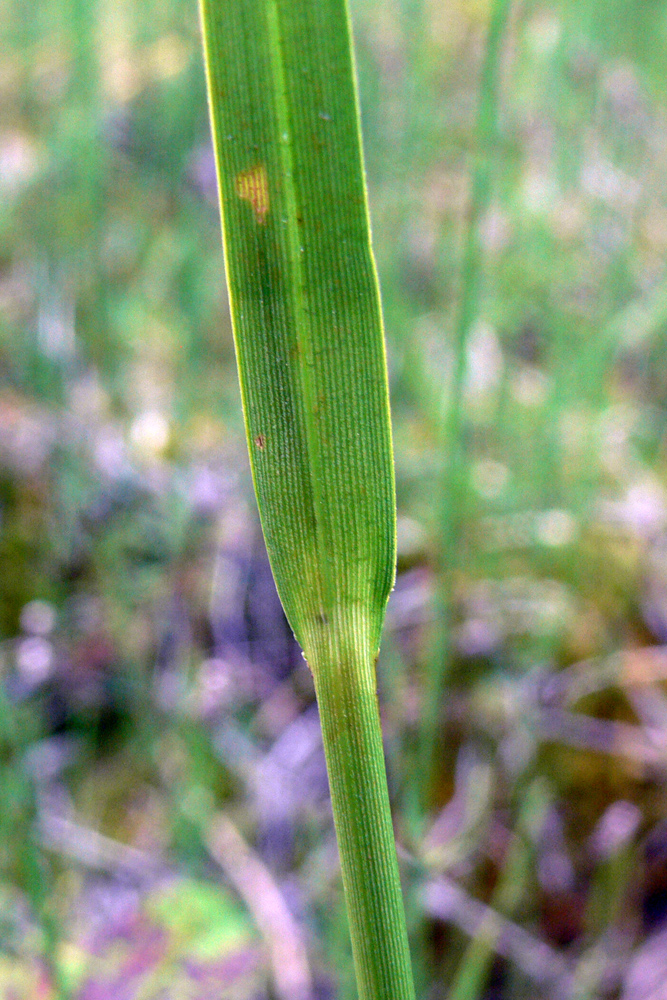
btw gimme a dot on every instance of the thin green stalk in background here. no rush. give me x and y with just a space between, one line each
308 333
18 810
617 861
473 970
452 493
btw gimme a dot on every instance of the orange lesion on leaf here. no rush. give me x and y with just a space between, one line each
253 185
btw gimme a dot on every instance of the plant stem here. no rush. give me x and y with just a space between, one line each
347 699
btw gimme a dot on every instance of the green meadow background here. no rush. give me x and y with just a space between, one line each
165 828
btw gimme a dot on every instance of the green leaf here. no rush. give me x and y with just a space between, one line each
305 309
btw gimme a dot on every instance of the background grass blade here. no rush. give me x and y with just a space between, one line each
452 491
306 315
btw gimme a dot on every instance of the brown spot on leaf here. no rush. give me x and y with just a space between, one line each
253 186
260 441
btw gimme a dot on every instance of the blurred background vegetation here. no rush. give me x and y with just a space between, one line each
164 822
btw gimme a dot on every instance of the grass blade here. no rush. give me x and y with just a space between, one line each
310 349
305 309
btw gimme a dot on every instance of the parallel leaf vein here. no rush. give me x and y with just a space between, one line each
303 359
